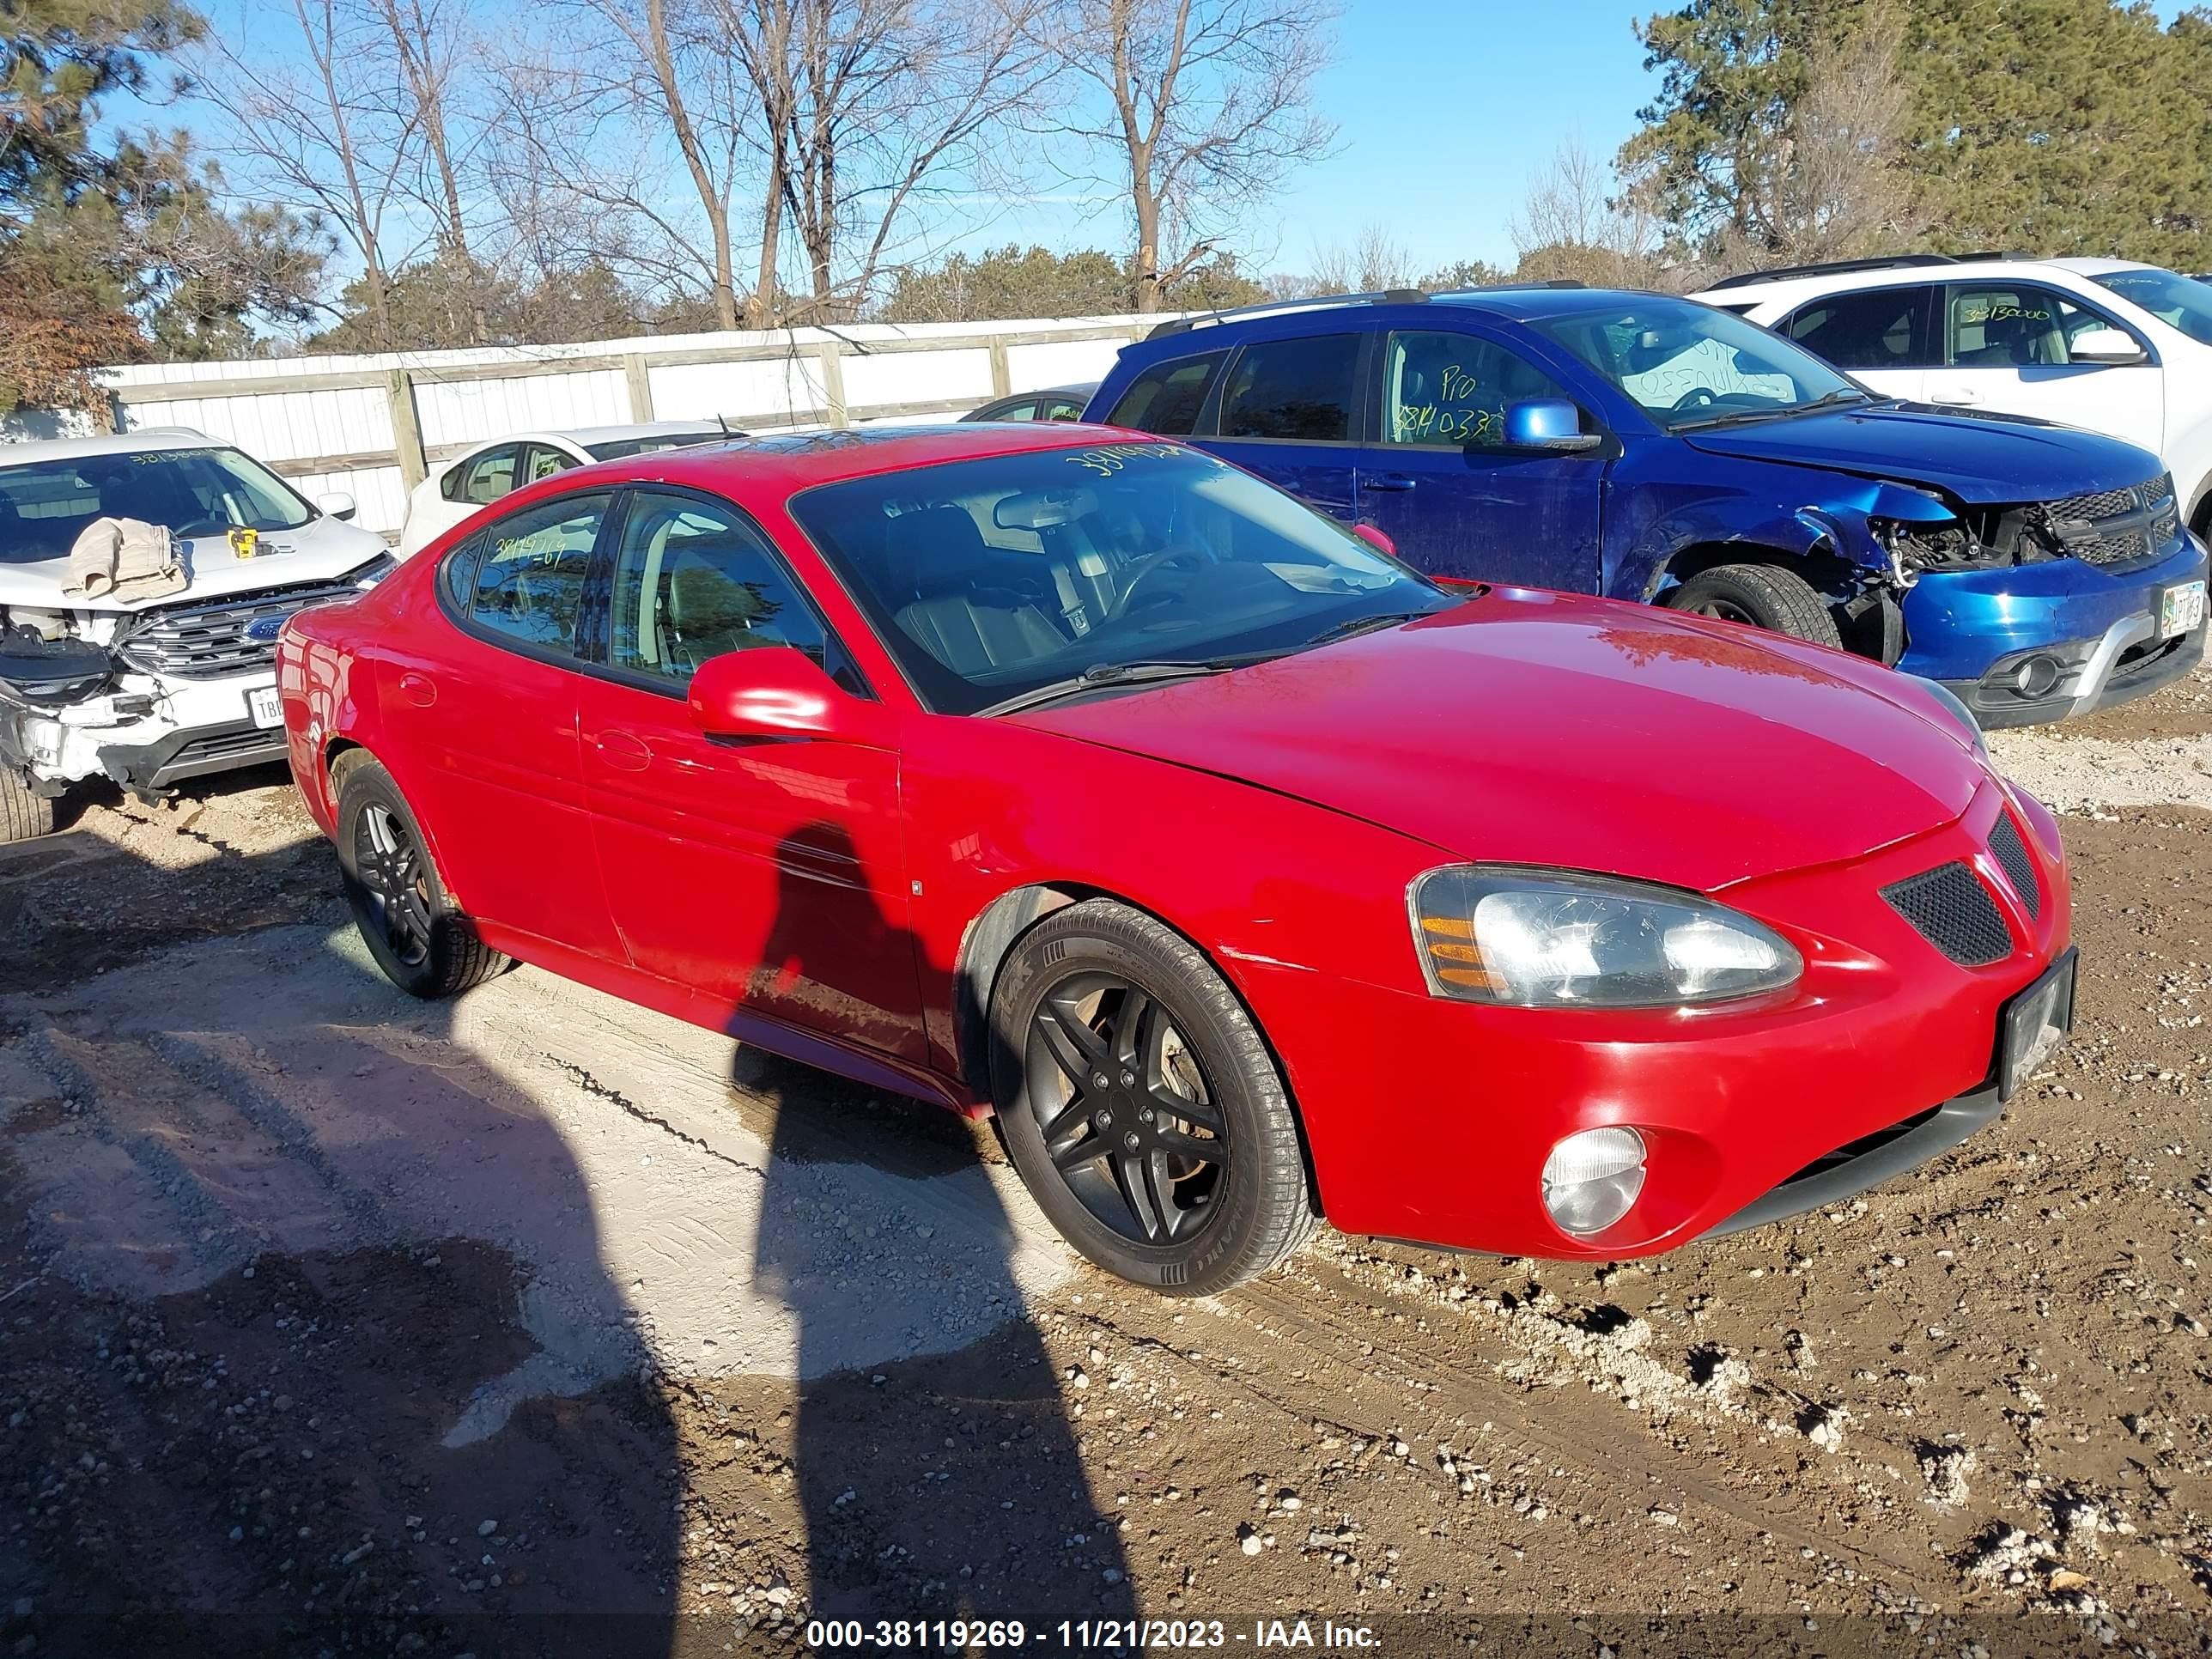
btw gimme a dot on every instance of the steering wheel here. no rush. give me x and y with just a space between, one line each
1144 568
1697 397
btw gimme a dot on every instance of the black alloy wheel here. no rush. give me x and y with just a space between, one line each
1126 1113
389 864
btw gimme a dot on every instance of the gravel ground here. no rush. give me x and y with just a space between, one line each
332 1323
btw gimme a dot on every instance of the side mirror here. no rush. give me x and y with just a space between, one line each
1376 539
335 504
1552 425
774 691
2113 346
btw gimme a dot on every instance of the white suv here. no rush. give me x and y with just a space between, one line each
2107 344
153 689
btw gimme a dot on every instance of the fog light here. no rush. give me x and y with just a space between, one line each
2037 675
1592 1178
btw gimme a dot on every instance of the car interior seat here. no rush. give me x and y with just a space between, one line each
710 613
939 556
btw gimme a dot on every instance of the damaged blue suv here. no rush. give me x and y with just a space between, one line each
1653 448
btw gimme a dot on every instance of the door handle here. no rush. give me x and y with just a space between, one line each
1386 481
623 751
1961 394
418 691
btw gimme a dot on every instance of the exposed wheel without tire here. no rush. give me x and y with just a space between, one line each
423 943
1140 1105
1762 595
23 816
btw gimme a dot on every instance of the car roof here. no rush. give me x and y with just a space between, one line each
107 443
1508 301
1755 288
783 463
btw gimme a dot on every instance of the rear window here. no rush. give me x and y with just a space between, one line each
1299 389
616 449
1167 397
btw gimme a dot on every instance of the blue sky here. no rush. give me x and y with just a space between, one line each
1443 109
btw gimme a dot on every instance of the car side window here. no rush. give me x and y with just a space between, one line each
1452 390
1876 328
2015 325
1302 389
484 479
1167 397
692 580
542 461
1061 409
530 571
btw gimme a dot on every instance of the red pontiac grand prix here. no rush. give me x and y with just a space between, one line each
1249 877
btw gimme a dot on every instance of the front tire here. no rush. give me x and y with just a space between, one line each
1140 1105
1761 595
23 816
418 936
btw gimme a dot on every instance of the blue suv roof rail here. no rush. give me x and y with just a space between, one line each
1393 297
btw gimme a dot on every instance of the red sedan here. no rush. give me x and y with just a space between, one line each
1249 877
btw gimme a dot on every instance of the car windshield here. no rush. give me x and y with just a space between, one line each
990 579
616 449
193 492
1689 365
2182 302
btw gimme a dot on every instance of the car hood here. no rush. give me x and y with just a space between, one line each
1982 458
322 549
1537 728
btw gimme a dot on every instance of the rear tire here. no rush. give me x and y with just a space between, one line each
419 938
23 816
1760 596
1141 1106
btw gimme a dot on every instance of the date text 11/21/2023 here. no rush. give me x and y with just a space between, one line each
1088 1634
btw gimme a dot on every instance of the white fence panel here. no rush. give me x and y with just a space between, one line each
1060 363
380 494
286 427
465 412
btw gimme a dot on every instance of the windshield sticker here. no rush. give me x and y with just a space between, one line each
1110 459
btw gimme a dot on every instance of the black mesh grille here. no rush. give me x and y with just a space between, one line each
1954 913
2120 528
2106 504
2020 870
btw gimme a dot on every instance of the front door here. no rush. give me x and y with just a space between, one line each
486 696
2009 350
1456 506
769 875
1289 411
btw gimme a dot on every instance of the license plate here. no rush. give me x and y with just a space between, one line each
2180 608
261 702
2034 1024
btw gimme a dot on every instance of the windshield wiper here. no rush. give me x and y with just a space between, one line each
1125 673
1352 625
1740 417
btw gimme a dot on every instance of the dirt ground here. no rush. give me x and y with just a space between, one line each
332 1323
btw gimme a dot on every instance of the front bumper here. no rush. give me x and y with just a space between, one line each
145 734
1976 631
1431 1120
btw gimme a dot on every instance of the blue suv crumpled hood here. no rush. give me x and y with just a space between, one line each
1985 458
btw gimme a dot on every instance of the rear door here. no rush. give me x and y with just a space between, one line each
1438 481
1887 338
2008 348
1290 410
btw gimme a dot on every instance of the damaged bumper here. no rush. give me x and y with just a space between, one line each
142 734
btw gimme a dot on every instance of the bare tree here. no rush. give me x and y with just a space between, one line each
1202 104
1368 266
862 105
1578 223
318 131
429 41
583 134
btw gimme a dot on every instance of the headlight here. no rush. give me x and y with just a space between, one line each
1951 701
366 576
1544 939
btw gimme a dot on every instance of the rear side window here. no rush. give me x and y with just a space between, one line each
531 570
1167 397
486 478
1878 328
1297 389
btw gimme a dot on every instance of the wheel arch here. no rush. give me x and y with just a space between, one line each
1818 562
990 939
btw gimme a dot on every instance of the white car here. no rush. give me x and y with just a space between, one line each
2116 346
151 689
457 488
